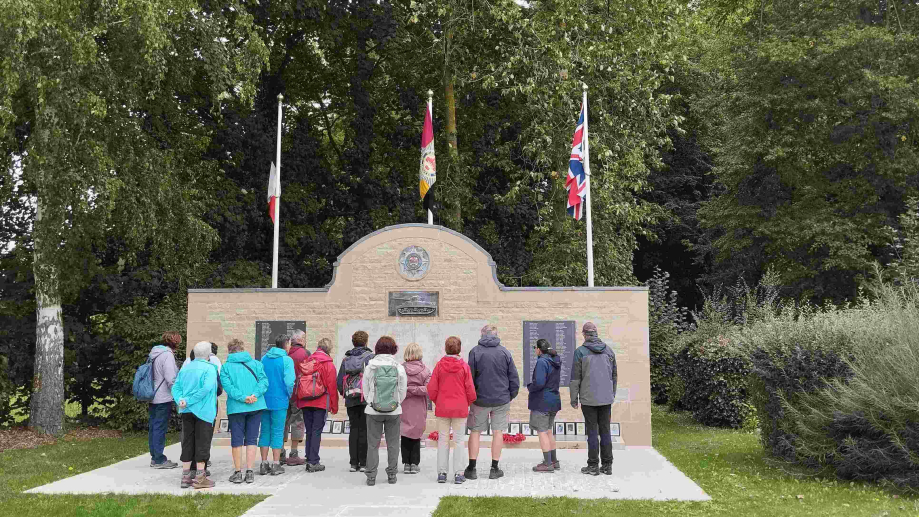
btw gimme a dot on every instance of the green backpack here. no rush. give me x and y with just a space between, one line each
385 389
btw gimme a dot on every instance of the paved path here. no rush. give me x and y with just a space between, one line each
638 473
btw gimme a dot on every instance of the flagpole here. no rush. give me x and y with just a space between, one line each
590 228
277 204
430 110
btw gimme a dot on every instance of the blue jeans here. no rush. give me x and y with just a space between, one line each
596 419
313 422
159 424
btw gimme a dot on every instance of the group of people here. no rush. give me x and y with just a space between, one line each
293 389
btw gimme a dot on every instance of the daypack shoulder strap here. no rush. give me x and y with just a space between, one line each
250 371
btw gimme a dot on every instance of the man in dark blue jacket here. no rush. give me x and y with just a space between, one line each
496 385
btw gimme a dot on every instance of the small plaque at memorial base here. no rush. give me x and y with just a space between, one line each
413 303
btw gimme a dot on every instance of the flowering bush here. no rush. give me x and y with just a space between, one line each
514 438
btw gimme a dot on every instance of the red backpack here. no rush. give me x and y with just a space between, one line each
310 386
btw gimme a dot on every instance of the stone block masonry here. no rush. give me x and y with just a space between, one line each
469 296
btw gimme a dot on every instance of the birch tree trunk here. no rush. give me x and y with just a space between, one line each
47 411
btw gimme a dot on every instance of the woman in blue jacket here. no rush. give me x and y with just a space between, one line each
245 382
544 402
279 368
195 392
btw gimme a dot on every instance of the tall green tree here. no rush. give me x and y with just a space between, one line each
103 104
818 145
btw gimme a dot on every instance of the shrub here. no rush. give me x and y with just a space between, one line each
863 423
667 320
713 372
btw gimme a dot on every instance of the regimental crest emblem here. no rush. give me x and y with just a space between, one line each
414 263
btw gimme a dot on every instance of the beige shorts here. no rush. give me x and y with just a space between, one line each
293 427
479 416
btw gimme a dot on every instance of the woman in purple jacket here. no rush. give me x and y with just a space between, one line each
414 408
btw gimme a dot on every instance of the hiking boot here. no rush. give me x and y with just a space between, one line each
371 481
391 478
470 473
283 457
543 467
495 474
407 469
237 477
590 470
362 468
442 477
187 479
607 469
353 468
315 467
459 479
416 469
556 465
277 469
164 465
203 481
294 460
250 476
264 468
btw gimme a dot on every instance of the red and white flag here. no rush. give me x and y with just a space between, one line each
274 191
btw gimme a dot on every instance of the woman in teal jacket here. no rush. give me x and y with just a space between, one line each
195 392
245 382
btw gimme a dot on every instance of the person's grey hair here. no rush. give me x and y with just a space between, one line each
298 337
203 350
325 344
489 331
282 341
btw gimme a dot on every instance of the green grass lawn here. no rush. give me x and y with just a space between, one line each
23 469
730 467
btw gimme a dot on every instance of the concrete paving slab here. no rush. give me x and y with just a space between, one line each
638 473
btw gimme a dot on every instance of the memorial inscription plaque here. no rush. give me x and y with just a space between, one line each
561 334
266 332
413 303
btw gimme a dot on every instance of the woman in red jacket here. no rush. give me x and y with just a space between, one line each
317 396
451 389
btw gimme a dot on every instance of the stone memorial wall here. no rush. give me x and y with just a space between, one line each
423 283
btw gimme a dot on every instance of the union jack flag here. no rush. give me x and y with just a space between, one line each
576 182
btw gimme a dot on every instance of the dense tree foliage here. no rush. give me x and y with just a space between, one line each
727 138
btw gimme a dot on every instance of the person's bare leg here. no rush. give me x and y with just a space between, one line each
293 445
545 443
474 445
237 456
264 453
497 443
201 466
250 457
277 454
186 465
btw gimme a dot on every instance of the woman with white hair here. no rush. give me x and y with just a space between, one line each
195 392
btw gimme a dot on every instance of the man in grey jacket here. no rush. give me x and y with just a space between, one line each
160 408
593 384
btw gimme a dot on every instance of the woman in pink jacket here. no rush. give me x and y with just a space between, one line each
414 408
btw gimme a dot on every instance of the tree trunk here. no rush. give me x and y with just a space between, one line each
47 411
452 201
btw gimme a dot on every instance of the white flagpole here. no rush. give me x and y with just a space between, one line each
277 204
590 228
430 95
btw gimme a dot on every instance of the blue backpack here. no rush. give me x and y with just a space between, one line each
143 383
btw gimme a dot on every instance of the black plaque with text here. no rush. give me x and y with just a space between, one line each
267 331
562 336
